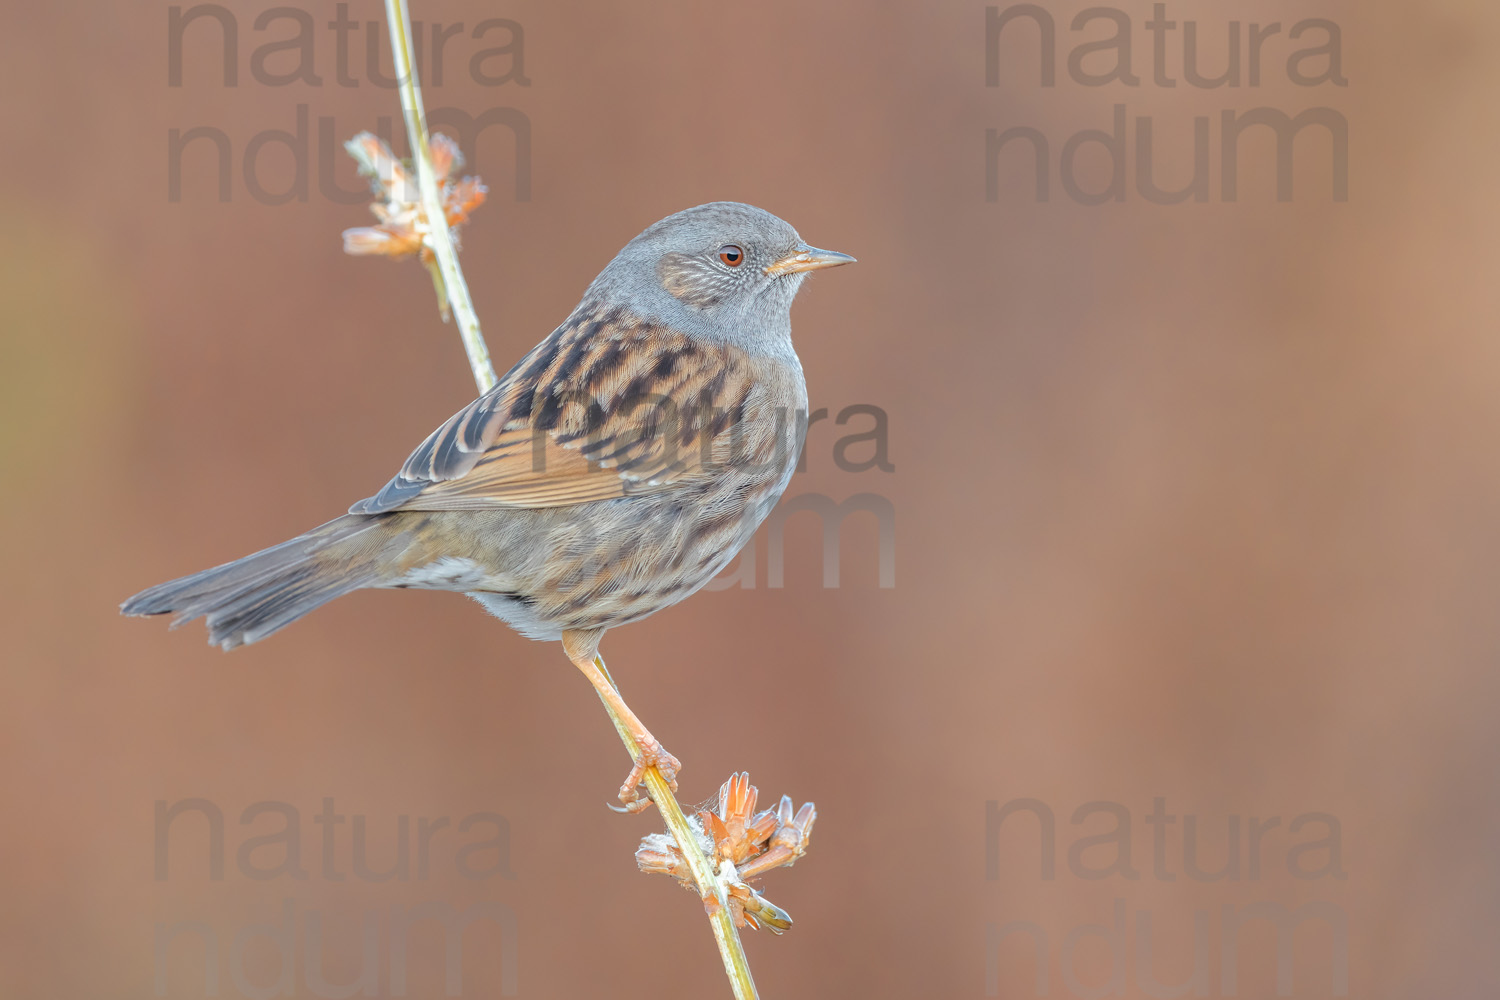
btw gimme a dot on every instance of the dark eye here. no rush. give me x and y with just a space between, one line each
731 255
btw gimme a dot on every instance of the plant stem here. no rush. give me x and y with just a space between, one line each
710 889
398 17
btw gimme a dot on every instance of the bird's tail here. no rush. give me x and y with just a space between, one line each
248 599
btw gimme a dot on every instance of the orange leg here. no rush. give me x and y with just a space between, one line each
583 649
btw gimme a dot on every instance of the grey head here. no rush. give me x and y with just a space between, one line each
723 271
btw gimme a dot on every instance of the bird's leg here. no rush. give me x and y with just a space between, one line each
583 649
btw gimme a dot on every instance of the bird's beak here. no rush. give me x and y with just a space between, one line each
806 258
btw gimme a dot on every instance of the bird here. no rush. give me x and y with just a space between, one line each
612 472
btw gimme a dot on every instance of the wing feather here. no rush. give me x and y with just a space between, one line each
607 406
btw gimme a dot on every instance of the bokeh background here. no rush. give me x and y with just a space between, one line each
1193 502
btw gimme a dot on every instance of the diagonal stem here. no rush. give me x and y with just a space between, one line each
710 888
439 237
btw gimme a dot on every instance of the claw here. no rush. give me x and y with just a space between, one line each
653 754
635 805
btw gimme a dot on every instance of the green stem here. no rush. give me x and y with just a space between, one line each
398 17
731 950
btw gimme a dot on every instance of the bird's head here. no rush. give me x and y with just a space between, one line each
725 270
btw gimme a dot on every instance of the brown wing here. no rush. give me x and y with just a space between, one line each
606 406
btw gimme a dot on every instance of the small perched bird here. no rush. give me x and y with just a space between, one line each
616 469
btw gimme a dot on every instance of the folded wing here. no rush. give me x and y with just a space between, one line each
607 406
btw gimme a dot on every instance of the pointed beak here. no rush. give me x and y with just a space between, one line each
806 258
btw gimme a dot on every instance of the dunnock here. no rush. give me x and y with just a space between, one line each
616 469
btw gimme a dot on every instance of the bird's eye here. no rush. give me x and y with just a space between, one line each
731 255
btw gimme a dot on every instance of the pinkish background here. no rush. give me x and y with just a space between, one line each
1196 502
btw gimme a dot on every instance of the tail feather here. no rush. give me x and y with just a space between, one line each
248 599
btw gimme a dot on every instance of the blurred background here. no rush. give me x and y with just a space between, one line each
1192 502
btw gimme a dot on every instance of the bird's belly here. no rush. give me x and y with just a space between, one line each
609 563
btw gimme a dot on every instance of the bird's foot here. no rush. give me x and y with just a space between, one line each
653 754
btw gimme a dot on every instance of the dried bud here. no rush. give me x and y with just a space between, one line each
742 844
398 206
749 907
